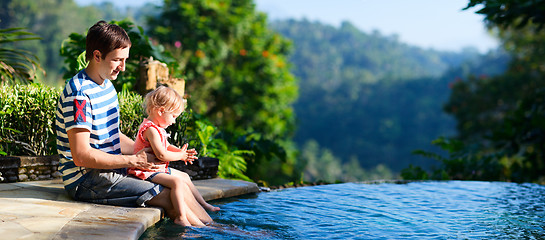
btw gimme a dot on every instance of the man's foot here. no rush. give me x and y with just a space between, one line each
182 222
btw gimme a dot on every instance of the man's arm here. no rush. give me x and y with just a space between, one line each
86 156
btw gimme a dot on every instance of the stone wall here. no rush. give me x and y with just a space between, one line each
202 168
33 168
28 168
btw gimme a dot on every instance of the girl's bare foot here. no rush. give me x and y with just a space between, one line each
211 208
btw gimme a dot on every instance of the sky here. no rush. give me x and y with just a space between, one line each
435 24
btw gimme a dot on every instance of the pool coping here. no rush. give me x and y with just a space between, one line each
43 210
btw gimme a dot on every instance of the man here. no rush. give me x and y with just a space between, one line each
89 142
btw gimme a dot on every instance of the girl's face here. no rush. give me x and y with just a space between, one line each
167 118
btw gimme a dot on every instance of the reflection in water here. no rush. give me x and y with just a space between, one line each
419 210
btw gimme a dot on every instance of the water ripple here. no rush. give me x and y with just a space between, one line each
420 210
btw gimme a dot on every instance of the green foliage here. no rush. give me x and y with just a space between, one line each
206 136
349 55
502 118
73 50
501 124
141 50
236 71
506 13
414 173
321 165
131 112
17 65
464 162
232 161
199 133
27 119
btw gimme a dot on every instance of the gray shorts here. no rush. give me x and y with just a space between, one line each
112 187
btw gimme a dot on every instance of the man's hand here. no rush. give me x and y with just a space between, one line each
145 160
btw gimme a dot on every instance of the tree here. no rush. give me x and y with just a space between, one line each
501 119
509 13
236 75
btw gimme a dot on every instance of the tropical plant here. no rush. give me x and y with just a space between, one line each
17 65
232 163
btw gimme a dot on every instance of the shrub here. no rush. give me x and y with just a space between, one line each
27 119
27 127
131 112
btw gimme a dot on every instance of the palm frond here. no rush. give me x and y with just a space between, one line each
17 65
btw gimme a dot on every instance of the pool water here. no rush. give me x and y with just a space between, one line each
418 210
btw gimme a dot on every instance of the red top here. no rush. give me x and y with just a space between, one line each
142 143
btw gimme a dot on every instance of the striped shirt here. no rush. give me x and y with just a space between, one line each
85 104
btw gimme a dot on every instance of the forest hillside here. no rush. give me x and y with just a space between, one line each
370 99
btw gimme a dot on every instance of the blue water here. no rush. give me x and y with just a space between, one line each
418 210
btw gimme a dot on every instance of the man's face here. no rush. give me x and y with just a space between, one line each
113 63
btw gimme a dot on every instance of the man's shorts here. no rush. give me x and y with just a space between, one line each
112 187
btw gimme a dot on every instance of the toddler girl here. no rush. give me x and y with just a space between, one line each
163 105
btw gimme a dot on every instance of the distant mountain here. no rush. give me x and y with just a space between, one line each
372 97
367 57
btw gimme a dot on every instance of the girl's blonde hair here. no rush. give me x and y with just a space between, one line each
166 97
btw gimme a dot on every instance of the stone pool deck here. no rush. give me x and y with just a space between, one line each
42 210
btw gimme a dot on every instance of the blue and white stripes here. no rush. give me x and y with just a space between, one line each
100 107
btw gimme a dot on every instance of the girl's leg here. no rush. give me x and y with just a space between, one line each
194 206
194 190
191 216
177 198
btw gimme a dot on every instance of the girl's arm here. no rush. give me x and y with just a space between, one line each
127 144
168 154
191 153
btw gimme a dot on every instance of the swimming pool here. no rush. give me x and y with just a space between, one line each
417 210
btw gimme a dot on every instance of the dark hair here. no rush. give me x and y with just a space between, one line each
105 37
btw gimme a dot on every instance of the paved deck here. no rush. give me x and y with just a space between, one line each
43 210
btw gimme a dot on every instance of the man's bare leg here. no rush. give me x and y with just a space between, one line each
162 200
